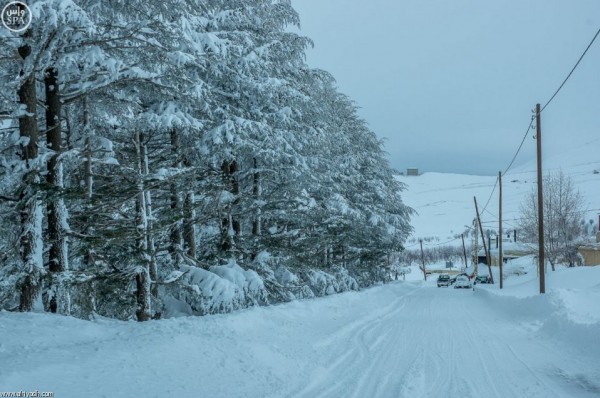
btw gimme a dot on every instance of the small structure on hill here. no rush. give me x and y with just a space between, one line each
412 171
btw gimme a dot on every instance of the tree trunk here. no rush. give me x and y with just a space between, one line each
30 243
189 229
56 215
235 190
256 192
28 127
56 210
89 179
142 277
176 235
142 280
150 245
256 222
230 225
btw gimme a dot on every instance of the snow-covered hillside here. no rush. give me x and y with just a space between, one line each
444 202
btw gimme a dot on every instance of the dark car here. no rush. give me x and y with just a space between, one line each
443 280
483 279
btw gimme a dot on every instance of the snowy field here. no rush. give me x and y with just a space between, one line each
404 339
444 202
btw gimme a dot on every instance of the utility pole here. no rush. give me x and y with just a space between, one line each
423 260
475 245
489 237
541 262
487 253
500 233
465 250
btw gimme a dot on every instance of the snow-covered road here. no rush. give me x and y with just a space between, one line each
436 343
406 339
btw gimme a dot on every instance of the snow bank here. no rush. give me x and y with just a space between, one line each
323 283
291 283
568 312
226 288
285 283
220 289
207 293
247 280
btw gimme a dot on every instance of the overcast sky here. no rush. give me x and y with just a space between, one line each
450 84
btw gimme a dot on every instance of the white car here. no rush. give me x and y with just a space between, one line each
462 282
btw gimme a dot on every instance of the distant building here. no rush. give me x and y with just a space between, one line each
591 253
412 172
510 251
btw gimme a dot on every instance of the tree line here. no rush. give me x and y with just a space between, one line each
139 138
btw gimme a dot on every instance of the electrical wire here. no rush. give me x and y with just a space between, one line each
520 145
572 70
427 245
529 127
497 219
491 194
516 219
533 117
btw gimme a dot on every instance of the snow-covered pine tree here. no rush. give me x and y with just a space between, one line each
255 86
194 132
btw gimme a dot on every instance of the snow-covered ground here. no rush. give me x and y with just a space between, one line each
404 339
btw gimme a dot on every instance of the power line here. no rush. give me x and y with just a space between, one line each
550 100
492 193
443 243
505 220
531 125
533 117
497 219
511 163
427 245
572 70
520 145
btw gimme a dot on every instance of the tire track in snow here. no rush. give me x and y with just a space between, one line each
431 342
365 338
515 367
482 361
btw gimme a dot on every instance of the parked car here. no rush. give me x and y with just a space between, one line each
443 280
453 278
483 279
462 282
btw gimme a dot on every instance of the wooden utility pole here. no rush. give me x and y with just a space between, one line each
464 249
487 253
475 243
423 260
541 262
500 233
489 243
